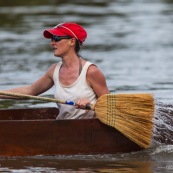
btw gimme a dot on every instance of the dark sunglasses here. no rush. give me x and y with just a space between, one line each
59 38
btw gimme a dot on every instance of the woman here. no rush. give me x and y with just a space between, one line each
74 78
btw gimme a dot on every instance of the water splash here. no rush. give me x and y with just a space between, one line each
163 124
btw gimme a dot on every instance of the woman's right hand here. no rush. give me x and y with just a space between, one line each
81 103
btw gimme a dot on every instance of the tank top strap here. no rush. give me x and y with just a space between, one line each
56 71
85 68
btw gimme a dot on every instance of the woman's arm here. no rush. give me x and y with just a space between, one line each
97 82
41 85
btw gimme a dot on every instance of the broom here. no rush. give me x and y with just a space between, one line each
131 114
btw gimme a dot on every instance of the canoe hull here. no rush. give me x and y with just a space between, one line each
28 137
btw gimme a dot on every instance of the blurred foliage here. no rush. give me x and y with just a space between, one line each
10 19
9 3
168 1
30 2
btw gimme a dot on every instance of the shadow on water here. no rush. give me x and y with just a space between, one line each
52 165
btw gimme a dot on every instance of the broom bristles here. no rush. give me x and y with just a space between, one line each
131 114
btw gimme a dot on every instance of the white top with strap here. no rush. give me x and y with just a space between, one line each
79 89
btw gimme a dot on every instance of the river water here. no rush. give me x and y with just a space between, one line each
130 41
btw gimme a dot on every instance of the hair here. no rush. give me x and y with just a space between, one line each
77 46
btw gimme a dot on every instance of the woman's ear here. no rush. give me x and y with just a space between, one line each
72 42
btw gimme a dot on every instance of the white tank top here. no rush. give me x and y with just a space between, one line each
79 89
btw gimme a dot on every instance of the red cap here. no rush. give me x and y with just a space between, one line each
67 29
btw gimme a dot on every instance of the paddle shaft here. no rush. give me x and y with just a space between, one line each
24 96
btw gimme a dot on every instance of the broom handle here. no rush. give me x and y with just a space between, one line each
24 96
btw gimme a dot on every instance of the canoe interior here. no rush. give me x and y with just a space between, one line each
29 114
28 132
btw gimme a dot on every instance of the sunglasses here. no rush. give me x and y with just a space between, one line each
59 38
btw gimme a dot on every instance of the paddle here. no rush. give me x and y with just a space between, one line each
131 114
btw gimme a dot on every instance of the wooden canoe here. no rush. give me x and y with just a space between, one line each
35 131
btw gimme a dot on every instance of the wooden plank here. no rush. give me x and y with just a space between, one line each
61 137
53 137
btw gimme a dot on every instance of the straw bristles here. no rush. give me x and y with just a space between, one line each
131 114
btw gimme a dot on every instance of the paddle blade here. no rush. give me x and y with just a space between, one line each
131 114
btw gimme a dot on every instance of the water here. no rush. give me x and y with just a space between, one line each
130 41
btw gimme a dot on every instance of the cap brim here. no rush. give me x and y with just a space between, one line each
50 32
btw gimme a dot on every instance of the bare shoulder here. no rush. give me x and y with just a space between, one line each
93 70
51 69
94 74
97 81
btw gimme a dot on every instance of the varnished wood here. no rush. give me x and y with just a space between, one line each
26 132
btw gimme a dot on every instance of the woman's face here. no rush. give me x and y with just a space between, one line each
62 45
